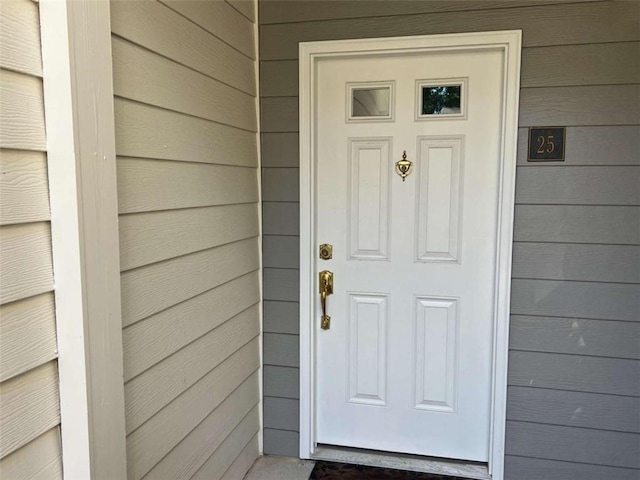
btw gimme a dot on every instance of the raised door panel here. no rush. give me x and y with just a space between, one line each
368 367
439 199
436 353
368 212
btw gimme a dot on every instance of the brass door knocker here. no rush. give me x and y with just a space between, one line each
403 167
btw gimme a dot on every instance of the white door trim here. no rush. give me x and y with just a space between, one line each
81 152
508 42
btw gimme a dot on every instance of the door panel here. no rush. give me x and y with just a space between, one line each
406 364
368 367
438 199
369 198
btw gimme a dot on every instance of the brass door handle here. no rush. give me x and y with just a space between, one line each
326 289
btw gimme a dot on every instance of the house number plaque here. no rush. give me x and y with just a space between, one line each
546 144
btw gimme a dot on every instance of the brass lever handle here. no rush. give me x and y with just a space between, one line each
326 289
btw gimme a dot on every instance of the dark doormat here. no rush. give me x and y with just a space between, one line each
343 471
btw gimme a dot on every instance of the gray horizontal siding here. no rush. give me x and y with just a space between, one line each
576 336
576 261
525 468
281 317
574 409
562 261
579 186
281 442
281 284
544 25
284 11
577 224
281 350
606 301
281 150
581 445
280 218
563 65
280 184
283 413
281 381
614 376
591 146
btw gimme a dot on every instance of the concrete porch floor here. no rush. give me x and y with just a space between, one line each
271 467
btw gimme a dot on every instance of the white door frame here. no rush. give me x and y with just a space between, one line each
509 42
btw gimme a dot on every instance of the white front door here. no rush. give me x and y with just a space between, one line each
406 365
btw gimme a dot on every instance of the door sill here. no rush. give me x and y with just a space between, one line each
400 461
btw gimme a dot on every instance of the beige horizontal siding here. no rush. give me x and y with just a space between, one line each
185 115
150 237
29 399
27 335
39 459
21 112
24 187
153 288
150 132
157 437
222 20
160 29
146 77
29 407
244 460
151 185
150 391
25 261
155 338
20 37
221 460
245 7
192 452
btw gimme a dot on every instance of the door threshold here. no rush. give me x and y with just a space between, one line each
401 461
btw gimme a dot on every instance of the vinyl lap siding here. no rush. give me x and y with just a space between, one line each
574 397
186 124
29 400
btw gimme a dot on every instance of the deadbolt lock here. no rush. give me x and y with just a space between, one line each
326 251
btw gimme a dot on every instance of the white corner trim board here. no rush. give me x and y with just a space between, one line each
508 43
78 97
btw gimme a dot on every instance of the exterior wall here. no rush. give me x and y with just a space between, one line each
573 396
185 116
29 399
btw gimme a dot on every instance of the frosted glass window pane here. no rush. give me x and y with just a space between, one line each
370 102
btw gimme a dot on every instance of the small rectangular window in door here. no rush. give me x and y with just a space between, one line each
441 99
370 102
